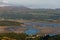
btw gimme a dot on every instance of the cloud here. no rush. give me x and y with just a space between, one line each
37 3
4 1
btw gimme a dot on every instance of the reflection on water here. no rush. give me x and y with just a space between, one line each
30 25
52 34
31 31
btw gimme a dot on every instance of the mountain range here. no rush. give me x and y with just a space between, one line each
6 6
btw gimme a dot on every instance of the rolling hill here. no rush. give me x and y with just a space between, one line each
11 11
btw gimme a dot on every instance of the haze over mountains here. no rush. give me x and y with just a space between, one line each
5 6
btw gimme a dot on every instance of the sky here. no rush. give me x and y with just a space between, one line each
35 3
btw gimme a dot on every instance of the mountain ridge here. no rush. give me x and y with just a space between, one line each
6 6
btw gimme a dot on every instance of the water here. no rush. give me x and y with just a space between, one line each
42 24
52 34
31 31
30 25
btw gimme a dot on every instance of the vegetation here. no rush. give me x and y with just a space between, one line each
43 14
22 36
13 36
9 23
39 15
57 37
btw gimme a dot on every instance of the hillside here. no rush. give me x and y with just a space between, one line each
25 13
41 15
9 23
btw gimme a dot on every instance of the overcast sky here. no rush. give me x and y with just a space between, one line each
36 3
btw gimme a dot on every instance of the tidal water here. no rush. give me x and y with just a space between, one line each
42 24
29 25
33 31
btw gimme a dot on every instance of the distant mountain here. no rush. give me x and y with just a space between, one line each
6 6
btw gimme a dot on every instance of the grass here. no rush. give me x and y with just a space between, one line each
9 23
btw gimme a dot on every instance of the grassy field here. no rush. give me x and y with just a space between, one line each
9 23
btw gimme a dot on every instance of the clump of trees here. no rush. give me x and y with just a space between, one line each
22 36
56 37
13 36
